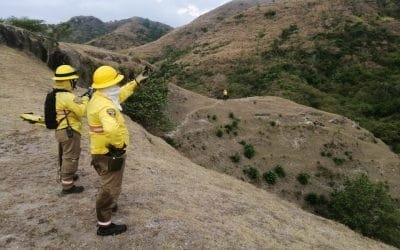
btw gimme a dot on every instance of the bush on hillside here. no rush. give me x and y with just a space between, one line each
367 207
252 173
219 133
280 171
171 141
249 151
147 105
33 25
270 177
302 178
235 158
317 201
270 14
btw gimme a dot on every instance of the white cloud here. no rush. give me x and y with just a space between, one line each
191 10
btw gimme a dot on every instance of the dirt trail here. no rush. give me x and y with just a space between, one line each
189 115
167 201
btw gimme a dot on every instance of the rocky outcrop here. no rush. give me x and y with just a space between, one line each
25 40
84 58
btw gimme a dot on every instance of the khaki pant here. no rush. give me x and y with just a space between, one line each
71 150
110 188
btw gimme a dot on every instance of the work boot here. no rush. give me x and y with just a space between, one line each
75 177
73 189
112 229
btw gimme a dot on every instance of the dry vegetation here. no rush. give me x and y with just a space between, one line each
167 201
325 146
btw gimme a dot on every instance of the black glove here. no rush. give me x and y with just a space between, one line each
116 152
88 93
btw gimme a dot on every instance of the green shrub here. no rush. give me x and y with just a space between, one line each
339 161
33 25
219 133
252 173
147 105
249 151
232 127
302 178
316 200
270 177
235 158
287 32
280 171
367 207
171 141
270 14
311 198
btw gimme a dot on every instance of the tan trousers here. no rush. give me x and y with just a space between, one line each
71 150
110 189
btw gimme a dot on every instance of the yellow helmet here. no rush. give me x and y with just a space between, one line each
106 76
65 72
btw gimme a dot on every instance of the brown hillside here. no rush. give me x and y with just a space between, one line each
325 146
129 33
193 35
237 33
167 201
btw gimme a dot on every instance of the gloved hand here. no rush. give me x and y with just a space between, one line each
117 152
142 76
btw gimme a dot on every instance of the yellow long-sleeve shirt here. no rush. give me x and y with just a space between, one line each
74 107
106 122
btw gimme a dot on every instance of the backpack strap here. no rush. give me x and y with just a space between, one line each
66 114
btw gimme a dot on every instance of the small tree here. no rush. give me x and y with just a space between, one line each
235 158
270 177
280 171
302 178
249 151
219 133
148 103
252 173
367 207
33 25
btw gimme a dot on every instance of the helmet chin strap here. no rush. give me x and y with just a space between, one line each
73 83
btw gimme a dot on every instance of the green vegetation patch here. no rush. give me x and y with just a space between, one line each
253 173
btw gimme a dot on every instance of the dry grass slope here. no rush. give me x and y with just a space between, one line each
297 137
167 201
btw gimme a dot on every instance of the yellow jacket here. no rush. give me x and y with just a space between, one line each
106 123
75 108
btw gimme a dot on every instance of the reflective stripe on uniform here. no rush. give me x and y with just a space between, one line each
96 129
67 182
104 223
62 112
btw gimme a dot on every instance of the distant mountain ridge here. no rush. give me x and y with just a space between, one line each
130 33
113 35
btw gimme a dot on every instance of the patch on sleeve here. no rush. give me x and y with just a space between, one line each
111 112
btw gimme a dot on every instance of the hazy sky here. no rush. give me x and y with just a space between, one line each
171 12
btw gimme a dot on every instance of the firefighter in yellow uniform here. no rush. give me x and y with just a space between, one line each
109 139
225 94
70 109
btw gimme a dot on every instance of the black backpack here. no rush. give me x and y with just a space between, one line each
50 113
